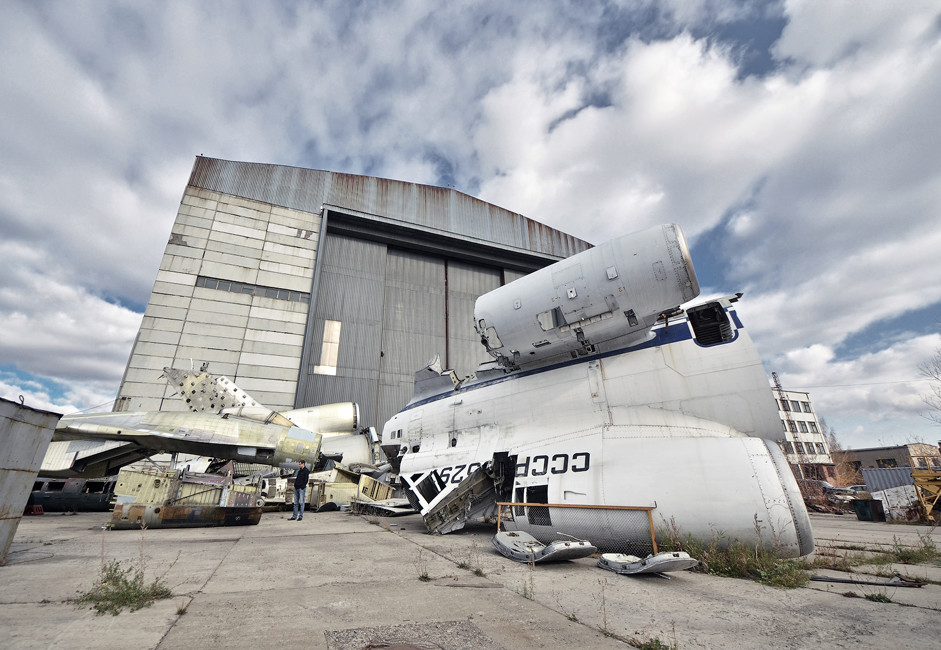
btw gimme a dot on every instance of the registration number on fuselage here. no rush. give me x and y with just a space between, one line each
556 464
538 465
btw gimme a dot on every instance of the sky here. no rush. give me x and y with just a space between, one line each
796 143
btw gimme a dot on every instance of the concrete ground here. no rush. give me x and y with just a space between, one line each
342 581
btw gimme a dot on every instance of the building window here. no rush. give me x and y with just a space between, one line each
800 447
252 289
788 447
803 426
793 427
820 448
806 406
795 405
813 427
784 425
886 462
330 350
784 405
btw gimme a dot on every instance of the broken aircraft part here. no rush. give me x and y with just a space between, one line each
523 547
222 421
177 498
659 563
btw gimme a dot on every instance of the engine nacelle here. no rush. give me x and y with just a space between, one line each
342 417
610 295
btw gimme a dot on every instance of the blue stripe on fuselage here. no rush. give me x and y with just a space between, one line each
674 332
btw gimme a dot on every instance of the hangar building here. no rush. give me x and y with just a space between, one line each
307 287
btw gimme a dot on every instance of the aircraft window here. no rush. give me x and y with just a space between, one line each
55 486
710 323
538 516
330 350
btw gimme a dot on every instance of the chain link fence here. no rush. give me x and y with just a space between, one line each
612 529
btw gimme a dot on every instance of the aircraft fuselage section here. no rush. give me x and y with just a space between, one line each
686 428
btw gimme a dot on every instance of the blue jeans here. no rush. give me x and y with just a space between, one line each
299 502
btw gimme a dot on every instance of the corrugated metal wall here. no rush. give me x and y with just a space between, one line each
884 478
465 284
413 324
351 289
397 310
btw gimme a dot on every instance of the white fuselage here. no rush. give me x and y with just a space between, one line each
671 424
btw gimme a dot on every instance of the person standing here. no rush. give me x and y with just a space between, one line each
300 487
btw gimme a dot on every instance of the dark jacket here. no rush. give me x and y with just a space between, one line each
300 481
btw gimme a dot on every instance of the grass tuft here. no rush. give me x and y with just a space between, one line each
119 587
878 598
734 559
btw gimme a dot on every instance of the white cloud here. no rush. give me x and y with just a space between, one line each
821 177
821 33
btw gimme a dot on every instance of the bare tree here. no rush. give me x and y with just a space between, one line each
931 369
846 474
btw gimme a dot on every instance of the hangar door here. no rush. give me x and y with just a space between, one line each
381 314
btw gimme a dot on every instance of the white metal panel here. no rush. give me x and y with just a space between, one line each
24 435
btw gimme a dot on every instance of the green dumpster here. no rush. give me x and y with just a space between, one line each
869 509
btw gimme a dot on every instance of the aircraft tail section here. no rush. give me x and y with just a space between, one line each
204 392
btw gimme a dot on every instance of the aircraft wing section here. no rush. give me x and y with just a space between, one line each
202 434
89 458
